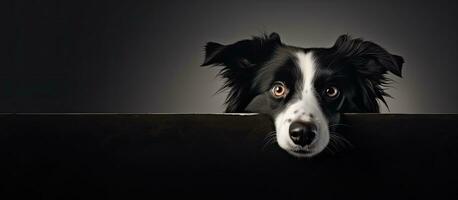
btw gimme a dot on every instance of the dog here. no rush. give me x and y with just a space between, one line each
303 90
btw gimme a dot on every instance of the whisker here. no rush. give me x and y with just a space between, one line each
269 143
336 144
271 138
346 125
330 146
329 149
343 139
270 134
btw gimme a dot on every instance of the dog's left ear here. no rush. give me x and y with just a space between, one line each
371 62
369 58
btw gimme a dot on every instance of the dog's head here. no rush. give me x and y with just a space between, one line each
304 90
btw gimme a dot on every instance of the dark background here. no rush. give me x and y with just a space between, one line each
144 56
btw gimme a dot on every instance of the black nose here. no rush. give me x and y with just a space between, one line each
302 133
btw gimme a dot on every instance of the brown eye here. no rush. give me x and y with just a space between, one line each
279 90
332 92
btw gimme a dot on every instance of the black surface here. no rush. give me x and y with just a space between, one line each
132 155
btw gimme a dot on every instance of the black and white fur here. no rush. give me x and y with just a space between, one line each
354 68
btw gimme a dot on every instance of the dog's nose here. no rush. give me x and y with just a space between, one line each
302 133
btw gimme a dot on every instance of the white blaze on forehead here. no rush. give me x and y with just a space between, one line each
306 63
307 101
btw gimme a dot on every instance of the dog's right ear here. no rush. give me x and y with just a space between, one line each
212 50
242 54
238 61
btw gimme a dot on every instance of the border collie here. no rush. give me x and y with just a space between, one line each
304 90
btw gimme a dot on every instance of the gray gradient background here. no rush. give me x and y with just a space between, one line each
107 56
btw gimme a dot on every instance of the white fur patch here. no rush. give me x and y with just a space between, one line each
305 108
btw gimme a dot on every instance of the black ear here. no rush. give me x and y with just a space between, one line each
371 63
241 54
239 61
369 58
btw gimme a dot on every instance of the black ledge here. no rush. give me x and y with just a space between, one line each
72 156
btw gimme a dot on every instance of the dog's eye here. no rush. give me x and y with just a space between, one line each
279 90
332 92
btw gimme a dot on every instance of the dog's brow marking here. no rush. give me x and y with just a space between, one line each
307 65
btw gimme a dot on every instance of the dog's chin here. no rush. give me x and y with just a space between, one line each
303 153
307 151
